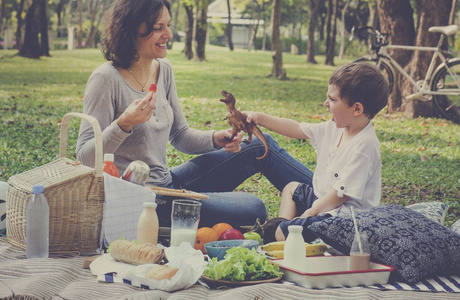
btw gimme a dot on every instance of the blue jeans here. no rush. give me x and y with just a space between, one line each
218 173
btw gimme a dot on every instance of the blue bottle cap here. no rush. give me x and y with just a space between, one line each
38 189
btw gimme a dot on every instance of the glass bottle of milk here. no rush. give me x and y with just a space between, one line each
147 227
294 248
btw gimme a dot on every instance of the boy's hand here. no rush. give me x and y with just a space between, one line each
251 116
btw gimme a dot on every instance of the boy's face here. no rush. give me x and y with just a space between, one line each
342 114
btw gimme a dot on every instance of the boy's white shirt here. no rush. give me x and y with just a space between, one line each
353 169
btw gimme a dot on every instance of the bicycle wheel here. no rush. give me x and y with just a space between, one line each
443 80
385 68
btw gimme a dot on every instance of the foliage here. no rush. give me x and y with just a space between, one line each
421 159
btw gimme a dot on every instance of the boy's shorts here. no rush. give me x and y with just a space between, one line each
303 197
308 235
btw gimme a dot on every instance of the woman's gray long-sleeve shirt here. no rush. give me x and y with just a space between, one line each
107 96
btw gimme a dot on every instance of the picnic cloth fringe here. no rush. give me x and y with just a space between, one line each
63 278
450 284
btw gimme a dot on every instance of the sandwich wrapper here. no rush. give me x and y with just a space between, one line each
189 261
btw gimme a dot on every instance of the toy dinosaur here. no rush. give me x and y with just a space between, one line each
237 120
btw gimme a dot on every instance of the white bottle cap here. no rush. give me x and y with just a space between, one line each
295 228
150 204
109 157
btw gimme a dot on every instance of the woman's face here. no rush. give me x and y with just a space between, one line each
154 45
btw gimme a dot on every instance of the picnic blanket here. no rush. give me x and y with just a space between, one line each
63 278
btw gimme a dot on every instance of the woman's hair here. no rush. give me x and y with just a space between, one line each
121 22
362 82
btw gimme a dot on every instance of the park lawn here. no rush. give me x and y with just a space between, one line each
421 157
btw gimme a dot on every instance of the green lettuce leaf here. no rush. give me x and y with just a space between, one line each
241 264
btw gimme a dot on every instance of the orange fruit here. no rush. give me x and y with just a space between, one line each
204 235
221 227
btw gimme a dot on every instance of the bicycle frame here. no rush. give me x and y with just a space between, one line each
425 88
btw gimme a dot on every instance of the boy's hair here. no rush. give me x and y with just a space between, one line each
362 82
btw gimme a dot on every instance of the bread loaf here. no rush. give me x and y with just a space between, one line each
160 272
135 253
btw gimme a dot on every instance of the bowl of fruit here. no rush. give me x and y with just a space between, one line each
218 249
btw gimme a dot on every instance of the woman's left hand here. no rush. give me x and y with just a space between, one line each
221 140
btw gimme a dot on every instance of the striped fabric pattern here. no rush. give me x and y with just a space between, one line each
449 284
63 278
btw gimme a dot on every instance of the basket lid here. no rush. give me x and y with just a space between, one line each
48 175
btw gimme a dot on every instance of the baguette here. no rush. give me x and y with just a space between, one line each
160 272
135 253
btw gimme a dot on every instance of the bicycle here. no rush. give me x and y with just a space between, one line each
442 85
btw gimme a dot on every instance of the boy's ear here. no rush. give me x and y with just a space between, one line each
358 108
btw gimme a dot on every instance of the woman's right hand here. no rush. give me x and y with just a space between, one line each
138 112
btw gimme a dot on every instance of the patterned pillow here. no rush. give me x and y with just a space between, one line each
456 227
414 245
435 211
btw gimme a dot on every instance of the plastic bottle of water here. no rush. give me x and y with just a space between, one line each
37 229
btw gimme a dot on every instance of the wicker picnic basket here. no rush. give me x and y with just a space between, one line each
75 195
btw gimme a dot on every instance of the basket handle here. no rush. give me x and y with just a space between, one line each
97 135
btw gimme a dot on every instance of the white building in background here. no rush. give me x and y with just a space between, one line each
241 28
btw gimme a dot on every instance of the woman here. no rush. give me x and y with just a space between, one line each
138 124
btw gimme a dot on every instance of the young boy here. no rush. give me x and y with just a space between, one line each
348 171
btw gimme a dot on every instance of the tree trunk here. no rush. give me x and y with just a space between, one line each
2 15
175 19
331 31
264 35
188 49
373 15
396 19
80 23
431 13
43 19
452 20
342 34
277 47
300 34
59 8
322 13
228 29
314 6
19 20
93 10
254 28
31 46
201 31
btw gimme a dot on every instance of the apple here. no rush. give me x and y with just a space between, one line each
231 234
252 235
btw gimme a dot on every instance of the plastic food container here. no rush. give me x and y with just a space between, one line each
333 271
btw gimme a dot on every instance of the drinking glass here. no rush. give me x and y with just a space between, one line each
185 216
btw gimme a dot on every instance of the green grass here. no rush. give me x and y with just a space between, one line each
421 157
